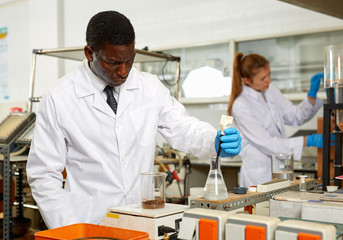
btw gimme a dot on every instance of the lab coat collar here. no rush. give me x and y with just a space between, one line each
83 81
86 84
252 93
128 91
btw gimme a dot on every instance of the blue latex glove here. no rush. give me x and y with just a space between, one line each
316 140
230 142
315 84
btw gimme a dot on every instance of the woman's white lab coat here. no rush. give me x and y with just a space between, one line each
104 153
262 127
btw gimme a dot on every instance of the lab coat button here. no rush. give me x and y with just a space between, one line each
124 159
117 125
128 192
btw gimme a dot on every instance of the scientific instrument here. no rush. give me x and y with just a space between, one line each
215 188
282 166
333 83
199 223
302 187
153 190
298 229
195 192
152 221
333 76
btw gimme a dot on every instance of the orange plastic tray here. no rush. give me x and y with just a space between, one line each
85 230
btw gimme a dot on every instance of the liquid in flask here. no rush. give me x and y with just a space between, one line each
215 188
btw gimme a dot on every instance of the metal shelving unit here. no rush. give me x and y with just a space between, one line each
13 158
77 53
10 165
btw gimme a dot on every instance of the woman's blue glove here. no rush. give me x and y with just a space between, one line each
230 142
315 84
316 140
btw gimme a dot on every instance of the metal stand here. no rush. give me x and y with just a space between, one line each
328 110
7 165
19 196
7 192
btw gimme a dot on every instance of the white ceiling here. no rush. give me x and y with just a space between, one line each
332 8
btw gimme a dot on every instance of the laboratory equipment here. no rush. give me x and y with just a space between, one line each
237 201
14 124
152 221
195 192
204 224
297 229
314 206
215 188
282 166
302 187
333 83
331 188
333 71
153 190
247 226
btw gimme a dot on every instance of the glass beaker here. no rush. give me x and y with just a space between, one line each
282 166
333 78
333 66
153 190
215 188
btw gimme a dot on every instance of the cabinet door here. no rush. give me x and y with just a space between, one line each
293 59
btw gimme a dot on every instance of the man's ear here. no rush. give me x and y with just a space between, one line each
88 53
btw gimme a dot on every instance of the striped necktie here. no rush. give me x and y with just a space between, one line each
110 98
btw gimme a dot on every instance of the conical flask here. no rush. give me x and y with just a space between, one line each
215 188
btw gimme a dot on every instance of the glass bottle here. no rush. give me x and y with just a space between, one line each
333 78
302 186
215 188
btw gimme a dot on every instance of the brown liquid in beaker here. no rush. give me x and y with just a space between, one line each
153 204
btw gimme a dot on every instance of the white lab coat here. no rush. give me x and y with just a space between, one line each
262 128
104 153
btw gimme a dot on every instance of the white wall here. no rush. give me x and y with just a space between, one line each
158 25
31 24
14 16
172 23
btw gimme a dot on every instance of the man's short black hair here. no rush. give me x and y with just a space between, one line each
111 27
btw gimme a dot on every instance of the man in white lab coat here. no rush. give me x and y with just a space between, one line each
104 140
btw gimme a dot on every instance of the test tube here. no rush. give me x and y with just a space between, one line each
303 183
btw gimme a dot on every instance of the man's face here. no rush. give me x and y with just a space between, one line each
112 63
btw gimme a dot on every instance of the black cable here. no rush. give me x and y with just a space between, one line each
163 68
178 184
173 236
